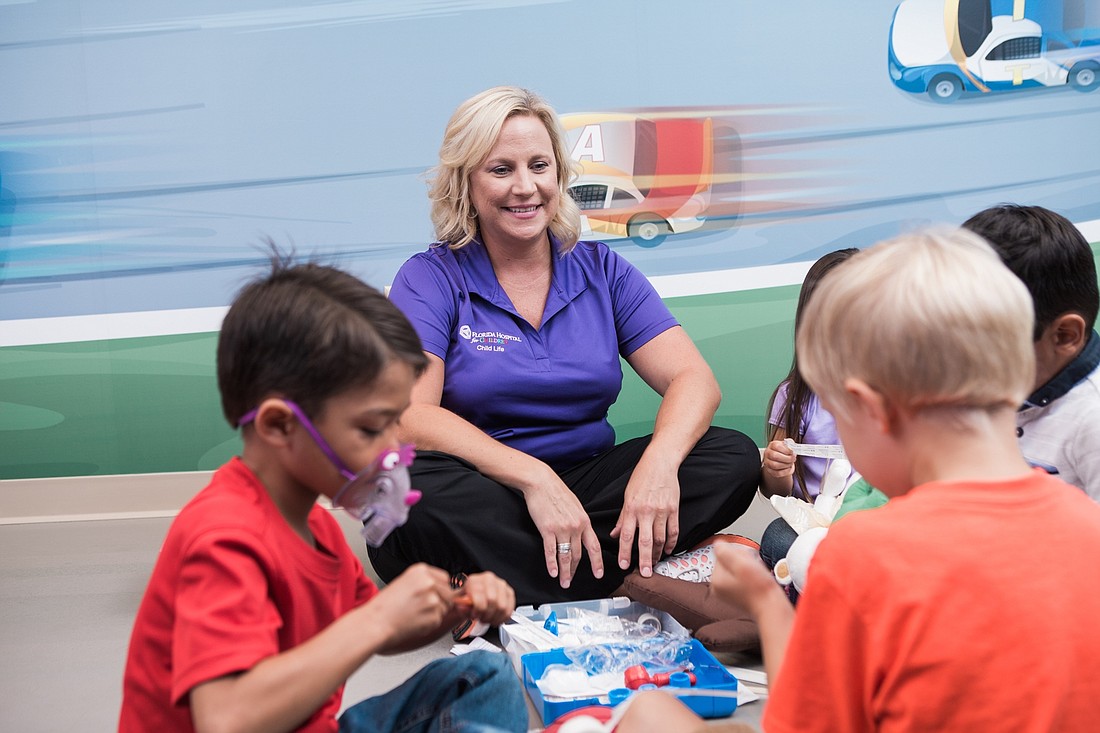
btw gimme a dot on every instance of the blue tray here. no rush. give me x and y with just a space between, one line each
709 673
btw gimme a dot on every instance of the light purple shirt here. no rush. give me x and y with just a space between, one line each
818 428
543 391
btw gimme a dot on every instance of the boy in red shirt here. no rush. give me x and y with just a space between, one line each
257 611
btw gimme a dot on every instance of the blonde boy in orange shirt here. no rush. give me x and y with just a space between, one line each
968 602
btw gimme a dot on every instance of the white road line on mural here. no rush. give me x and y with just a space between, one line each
38 519
770 276
32 331
730 281
1091 230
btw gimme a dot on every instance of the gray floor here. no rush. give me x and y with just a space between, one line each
68 594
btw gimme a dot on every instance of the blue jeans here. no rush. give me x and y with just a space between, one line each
774 546
477 692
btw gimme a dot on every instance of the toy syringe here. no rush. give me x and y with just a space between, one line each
816 451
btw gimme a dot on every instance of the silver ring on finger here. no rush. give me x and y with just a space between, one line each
564 548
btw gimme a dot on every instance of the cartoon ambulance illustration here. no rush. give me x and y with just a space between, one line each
642 177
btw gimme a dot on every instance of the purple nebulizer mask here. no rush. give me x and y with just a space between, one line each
379 496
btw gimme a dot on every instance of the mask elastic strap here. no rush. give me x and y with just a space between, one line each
320 441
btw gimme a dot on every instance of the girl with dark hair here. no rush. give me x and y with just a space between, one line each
795 412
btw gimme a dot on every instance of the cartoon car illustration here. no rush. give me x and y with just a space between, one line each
946 49
641 177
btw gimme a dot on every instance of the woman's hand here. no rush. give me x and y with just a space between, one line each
650 515
561 520
556 511
671 365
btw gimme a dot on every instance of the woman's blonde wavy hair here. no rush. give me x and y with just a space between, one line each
470 135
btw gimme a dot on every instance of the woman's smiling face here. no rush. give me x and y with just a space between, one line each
515 189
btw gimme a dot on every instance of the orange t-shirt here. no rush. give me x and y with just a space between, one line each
957 607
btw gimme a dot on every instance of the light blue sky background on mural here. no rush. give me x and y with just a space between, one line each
146 148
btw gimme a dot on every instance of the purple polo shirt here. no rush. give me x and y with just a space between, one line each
543 391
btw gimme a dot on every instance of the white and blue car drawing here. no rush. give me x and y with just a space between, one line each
985 46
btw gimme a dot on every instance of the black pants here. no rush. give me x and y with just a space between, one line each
468 523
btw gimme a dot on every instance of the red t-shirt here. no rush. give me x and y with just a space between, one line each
959 607
233 585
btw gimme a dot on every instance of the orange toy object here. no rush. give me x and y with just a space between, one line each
636 676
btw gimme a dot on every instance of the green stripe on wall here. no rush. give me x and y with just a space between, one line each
746 337
143 405
150 405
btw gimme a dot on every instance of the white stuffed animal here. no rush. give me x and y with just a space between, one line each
811 521
792 569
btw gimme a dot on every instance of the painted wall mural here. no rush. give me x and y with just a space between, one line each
146 149
981 46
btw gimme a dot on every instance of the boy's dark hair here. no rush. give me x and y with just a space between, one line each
798 392
307 332
1047 252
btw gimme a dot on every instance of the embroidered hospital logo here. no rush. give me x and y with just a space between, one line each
487 340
